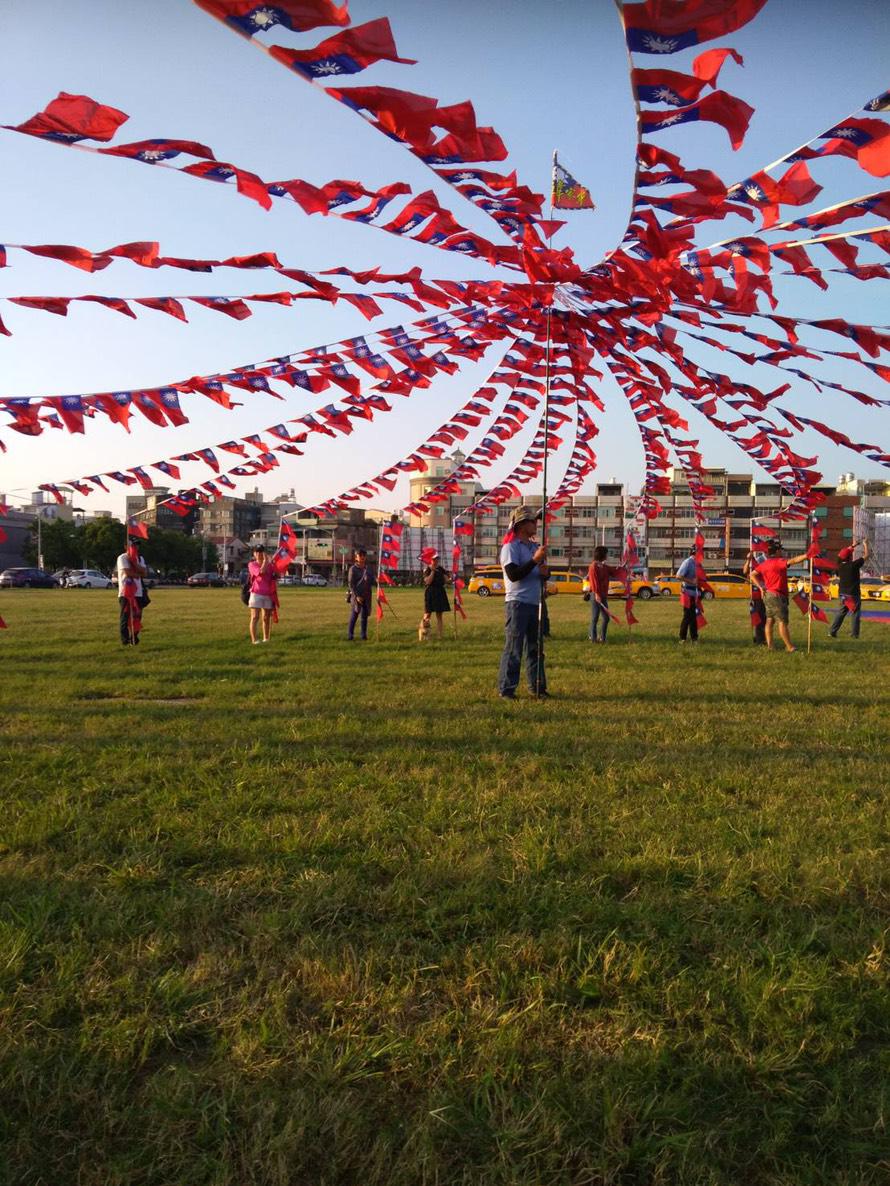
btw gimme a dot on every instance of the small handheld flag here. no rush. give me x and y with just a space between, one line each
569 194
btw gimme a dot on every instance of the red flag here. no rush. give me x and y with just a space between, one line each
708 65
874 157
300 15
136 528
665 26
77 257
345 53
58 305
74 117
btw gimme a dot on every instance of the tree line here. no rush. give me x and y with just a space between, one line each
97 543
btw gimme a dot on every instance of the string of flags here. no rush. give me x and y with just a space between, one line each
635 318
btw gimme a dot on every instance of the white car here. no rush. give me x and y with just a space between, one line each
88 578
312 579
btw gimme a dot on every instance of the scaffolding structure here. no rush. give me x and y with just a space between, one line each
874 525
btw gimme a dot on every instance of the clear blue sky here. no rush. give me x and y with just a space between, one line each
545 76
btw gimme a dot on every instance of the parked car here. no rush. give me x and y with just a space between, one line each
27 578
206 580
290 581
316 581
565 581
489 580
729 584
88 578
639 587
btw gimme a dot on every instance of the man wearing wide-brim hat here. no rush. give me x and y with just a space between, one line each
525 569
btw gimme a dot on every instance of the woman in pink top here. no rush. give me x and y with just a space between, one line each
263 593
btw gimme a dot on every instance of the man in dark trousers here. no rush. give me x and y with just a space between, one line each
132 596
849 591
525 570
758 613
360 581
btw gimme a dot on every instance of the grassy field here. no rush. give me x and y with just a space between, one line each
325 913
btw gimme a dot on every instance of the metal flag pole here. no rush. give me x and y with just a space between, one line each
810 521
540 666
454 544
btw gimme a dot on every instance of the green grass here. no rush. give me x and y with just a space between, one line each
325 913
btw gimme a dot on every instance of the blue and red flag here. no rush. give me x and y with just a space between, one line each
250 16
348 52
569 194
660 27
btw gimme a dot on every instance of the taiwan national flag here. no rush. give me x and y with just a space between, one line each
462 528
70 118
348 52
136 529
250 16
569 194
664 27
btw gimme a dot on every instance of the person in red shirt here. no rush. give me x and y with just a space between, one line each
598 576
771 578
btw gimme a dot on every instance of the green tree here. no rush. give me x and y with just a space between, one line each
103 541
61 543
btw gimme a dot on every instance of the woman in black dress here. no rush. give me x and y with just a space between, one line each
435 599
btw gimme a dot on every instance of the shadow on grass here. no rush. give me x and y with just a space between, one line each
218 1015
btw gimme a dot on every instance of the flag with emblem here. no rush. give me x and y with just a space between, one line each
569 194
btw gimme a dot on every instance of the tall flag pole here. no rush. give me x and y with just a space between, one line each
546 444
812 524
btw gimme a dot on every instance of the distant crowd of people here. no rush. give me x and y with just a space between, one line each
525 568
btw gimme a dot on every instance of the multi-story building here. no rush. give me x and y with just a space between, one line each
738 500
152 509
327 542
573 531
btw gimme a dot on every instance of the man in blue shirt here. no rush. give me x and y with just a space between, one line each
525 567
689 576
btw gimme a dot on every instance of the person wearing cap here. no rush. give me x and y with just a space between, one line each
690 574
755 605
848 588
525 568
360 582
771 578
263 583
435 599
132 595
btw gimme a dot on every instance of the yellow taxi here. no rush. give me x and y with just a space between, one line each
562 581
870 588
488 581
723 584
639 587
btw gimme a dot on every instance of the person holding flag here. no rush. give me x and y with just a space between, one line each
755 606
132 596
598 576
262 578
360 582
435 598
688 573
849 591
525 569
771 577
